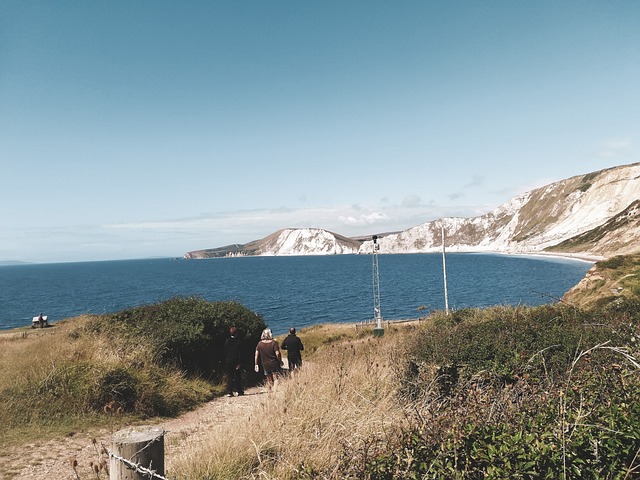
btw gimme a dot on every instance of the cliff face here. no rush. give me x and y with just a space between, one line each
308 241
595 214
617 236
543 219
288 241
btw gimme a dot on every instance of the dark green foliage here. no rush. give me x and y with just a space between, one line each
590 176
623 309
511 341
119 386
542 392
162 351
150 360
186 332
144 361
584 187
612 263
544 443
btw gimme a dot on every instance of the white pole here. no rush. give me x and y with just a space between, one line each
444 271
378 330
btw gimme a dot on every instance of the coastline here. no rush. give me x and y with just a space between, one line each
582 257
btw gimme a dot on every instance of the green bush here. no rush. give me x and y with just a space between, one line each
612 263
507 341
533 392
159 359
555 440
186 332
117 386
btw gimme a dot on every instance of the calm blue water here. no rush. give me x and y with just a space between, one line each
286 291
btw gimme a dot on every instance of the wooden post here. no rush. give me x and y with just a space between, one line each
143 446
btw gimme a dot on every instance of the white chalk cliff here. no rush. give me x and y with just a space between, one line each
597 214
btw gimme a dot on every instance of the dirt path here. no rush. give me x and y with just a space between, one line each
52 460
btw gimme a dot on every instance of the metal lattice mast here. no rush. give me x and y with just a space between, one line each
377 314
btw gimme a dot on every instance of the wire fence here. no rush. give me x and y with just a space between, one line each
145 471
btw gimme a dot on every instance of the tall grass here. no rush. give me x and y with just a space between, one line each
95 370
334 415
543 392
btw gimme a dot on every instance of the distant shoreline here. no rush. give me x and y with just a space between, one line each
583 257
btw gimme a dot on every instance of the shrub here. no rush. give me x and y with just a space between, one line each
141 362
570 434
510 341
186 332
117 386
541 392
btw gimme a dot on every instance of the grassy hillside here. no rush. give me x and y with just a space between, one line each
502 392
611 280
154 360
543 392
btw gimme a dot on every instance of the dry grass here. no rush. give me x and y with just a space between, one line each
52 381
343 400
29 359
609 280
330 417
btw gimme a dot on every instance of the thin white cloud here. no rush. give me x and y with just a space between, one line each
619 144
367 219
266 220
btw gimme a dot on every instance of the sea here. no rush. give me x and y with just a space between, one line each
288 291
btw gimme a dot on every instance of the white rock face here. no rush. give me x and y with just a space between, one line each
530 222
601 202
306 241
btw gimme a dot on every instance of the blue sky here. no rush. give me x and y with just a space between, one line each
131 129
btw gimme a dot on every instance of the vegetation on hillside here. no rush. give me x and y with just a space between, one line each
544 392
616 235
613 280
504 392
186 333
153 360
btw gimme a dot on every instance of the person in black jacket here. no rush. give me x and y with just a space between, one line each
233 367
293 345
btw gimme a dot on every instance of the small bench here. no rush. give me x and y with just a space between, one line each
35 322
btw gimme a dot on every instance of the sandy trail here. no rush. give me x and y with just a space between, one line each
52 460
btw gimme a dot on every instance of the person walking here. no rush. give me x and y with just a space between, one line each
293 345
233 366
268 355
